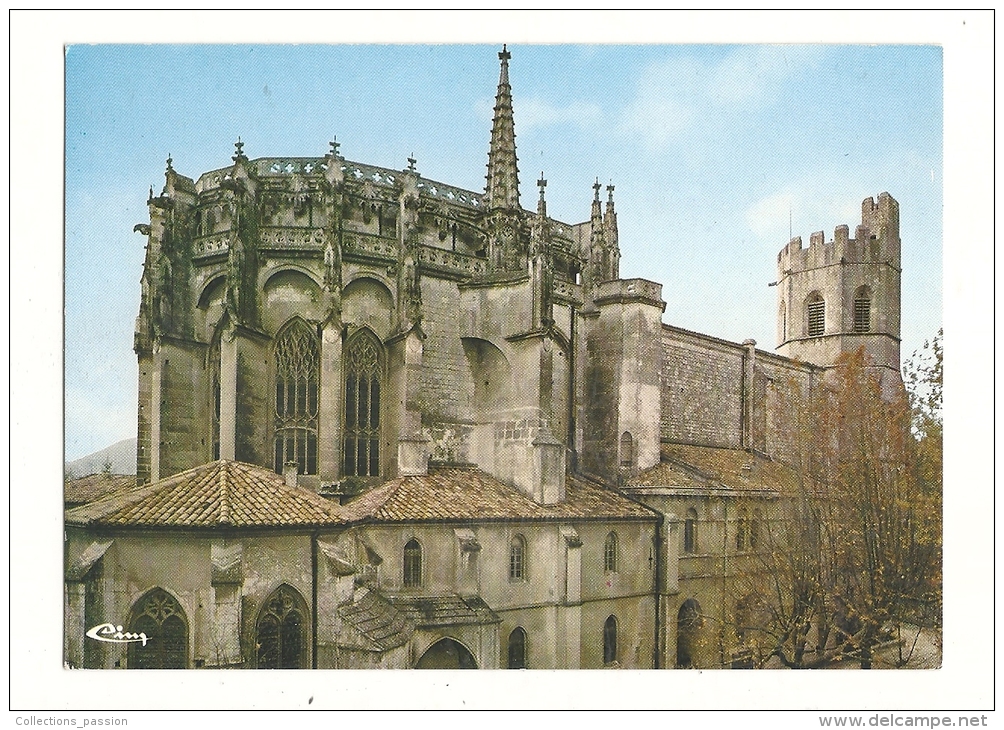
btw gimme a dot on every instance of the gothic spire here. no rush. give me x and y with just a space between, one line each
596 216
502 189
610 235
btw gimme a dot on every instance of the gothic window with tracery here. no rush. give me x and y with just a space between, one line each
159 616
297 376
279 634
363 375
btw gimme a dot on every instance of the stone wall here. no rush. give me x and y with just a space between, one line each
702 379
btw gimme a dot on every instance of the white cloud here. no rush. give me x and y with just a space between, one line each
767 215
673 95
818 203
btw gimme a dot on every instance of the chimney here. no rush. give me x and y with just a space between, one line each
289 473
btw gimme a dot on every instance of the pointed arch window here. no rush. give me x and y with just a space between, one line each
517 558
863 310
214 393
690 532
610 640
412 564
741 523
816 315
755 529
280 634
627 449
363 376
610 553
517 649
160 617
297 378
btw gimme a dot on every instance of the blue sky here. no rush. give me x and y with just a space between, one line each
711 147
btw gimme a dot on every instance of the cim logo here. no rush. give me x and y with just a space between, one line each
113 634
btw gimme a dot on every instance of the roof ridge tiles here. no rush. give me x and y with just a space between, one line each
224 495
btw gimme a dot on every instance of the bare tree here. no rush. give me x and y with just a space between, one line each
851 558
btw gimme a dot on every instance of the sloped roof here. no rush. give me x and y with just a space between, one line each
468 494
428 611
377 620
689 467
95 486
219 494
79 566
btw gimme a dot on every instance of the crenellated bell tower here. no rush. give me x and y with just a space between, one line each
840 295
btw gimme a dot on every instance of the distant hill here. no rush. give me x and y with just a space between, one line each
122 457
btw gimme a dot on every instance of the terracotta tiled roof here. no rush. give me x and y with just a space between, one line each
468 494
709 468
427 611
218 494
95 486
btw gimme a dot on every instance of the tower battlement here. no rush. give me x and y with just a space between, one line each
839 295
876 240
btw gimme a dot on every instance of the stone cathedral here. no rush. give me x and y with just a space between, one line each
387 422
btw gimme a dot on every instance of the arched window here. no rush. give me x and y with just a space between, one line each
159 616
610 640
627 449
863 310
297 375
741 530
214 392
280 634
412 564
517 649
363 375
755 529
517 558
610 553
690 532
688 629
816 315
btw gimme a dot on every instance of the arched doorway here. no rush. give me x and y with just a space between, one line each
517 648
280 632
688 629
160 617
610 640
447 654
